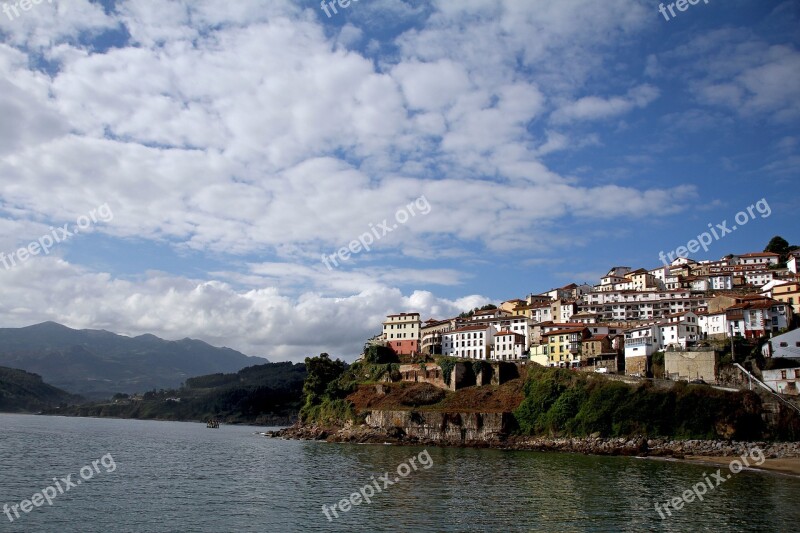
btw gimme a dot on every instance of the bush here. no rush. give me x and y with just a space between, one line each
560 401
447 364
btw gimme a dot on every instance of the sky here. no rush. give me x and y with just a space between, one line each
276 177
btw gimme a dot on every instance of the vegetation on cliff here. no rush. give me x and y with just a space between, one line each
569 403
546 402
329 383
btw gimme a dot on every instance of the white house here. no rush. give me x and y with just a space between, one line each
756 316
721 282
783 381
642 341
759 278
508 346
714 325
540 313
757 258
792 263
470 342
677 334
786 345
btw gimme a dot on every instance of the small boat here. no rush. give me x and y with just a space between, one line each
212 423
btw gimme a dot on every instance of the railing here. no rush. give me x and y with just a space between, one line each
758 381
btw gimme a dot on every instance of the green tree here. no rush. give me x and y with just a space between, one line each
378 355
321 373
779 245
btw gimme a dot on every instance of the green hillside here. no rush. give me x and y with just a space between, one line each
262 394
23 392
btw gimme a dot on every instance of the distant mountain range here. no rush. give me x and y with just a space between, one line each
21 391
98 363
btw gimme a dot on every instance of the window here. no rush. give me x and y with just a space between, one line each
784 344
783 374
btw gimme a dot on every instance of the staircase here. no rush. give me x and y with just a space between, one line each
771 406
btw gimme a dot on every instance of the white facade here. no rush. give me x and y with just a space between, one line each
721 282
405 326
470 342
786 345
677 335
759 278
541 314
755 319
490 313
713 324
782 381
758 258
642 341
508 346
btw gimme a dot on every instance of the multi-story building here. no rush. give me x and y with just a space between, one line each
516 324
490 313
678 334
402 333
562 310
469 342
431 333
721 282
564 346
540 312
647 305
785 345
641 342
508 346
788 293
594 347
511 305
713 325
763 259
642 280
793 262
755 316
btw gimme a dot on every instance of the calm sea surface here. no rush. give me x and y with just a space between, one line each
182 477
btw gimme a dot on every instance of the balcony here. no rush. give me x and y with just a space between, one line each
639 341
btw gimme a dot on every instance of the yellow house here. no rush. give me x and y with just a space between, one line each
564 346
788 294
538 354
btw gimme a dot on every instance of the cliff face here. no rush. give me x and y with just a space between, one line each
442 427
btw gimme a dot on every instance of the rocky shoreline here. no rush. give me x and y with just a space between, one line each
594 445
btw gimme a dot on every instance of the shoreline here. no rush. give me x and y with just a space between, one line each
787 466
779 457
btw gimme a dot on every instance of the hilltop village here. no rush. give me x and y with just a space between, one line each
681 311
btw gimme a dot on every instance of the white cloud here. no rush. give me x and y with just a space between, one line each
263 322
596 108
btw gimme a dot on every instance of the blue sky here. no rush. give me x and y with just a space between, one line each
236 144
